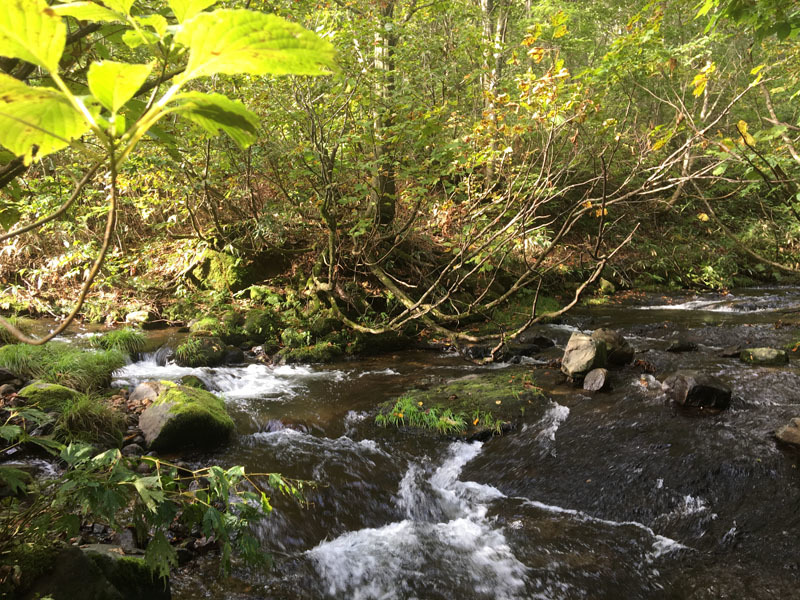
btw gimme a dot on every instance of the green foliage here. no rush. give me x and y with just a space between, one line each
410 412
262 324
129 341
107 488
22 324
89 419
64 364
198 351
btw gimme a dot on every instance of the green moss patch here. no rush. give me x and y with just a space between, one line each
472 405
48 396
198 351
184 416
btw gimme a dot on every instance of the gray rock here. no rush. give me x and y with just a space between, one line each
730 352
618 351
790 434
132 450
682 344
7 376
697 390
7 389
768 357
183 416
139 316
147 390
596 380
581 355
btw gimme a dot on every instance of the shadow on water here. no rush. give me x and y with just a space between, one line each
613 495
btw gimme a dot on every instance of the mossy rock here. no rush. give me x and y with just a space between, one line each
200 351
193 381
495 400
183 416
294 338
768 357
29 562
262 324
70 575
130 575
221 272
322 352
373 344
49 396
228 327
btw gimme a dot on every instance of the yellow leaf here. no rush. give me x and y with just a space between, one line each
703 217
742 127
498 401
475 422
560 31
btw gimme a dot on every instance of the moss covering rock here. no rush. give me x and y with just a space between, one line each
475 406
200 351
183 416
130 575
321 352
48 396
768 357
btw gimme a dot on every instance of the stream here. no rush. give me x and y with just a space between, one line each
607 495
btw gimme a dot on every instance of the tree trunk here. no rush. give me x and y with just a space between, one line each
384 181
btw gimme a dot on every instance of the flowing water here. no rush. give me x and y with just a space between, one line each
611 495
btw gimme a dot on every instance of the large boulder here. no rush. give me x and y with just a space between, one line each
768 357
618 351
48 396
581 355
697 390
183 416
128 574
200 351
790 434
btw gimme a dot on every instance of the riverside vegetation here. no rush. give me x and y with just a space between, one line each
342 179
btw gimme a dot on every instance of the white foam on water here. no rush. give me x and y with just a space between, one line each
556 414
386 371
390 562
233 383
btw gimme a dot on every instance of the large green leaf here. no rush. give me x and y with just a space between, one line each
186 9
31 31
215 113
114 83
88 11
123 6
243 41
36 117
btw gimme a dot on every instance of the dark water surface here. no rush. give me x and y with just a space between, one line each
606 496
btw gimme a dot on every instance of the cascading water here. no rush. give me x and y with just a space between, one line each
611 495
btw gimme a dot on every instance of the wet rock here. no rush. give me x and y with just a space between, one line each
200 351
581 355
182 416
7 389
132 450
768 357
145 467
697 390
730 352
682 344
233 355
476 351
126 539
618 351
7 377
596 380
73 575
790 434
271 426
129 575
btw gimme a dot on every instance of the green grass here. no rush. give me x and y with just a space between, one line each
407 412
89 419
129 341
78 368
22 324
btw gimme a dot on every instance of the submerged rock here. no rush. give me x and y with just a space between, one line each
581 355
618 351
697 390
768 357
596 380
790 434
182 416
682 344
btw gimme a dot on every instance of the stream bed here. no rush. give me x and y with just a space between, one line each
606 495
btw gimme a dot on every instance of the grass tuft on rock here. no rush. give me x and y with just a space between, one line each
77 368
22 324
129 341
89 419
